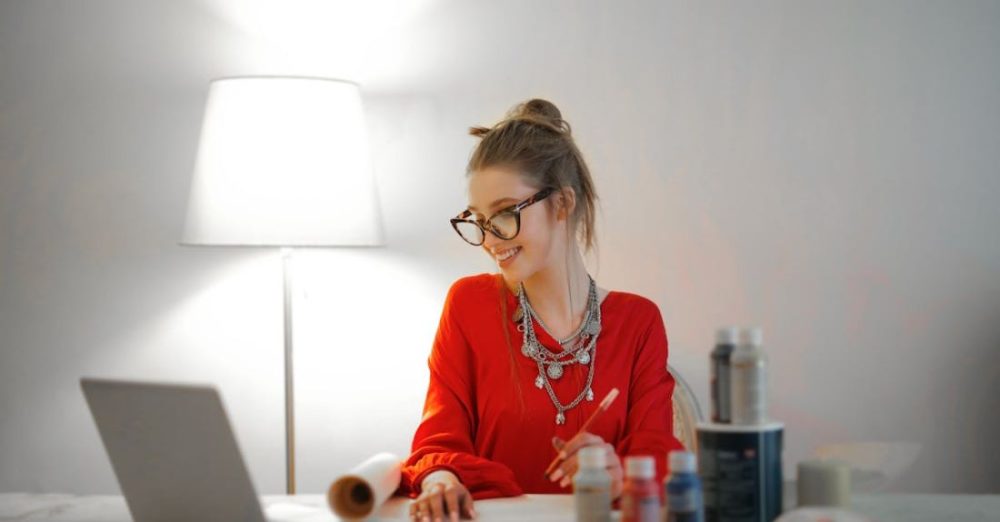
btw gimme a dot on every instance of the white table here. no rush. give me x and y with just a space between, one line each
528 508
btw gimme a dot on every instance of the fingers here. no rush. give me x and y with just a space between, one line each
437 505
614 467
451 502
442 502
570 464
416 511
613 463
467 508
420 510
428 506
581 440
566 470
558 443
617 486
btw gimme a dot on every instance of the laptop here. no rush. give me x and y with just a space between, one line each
173 451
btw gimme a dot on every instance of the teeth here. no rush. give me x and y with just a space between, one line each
507 254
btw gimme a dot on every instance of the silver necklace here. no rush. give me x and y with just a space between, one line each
582 349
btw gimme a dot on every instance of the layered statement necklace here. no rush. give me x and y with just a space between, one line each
579 348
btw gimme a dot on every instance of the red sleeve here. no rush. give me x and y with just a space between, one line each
444 438
649 423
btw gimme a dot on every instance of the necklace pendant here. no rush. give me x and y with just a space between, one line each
560 418
593 328
584 357
590 395
539 381
555 371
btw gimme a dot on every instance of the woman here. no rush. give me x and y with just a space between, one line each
523 357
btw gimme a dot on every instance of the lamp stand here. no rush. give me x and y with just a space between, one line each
286 258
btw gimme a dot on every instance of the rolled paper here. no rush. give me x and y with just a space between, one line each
360 492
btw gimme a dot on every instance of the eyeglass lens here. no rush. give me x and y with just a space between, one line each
503 225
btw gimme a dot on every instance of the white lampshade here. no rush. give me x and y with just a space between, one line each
283 162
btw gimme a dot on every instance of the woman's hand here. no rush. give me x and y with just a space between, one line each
442 496
564 473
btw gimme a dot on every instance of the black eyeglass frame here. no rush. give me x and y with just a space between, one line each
514 209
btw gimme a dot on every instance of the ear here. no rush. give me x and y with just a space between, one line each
566 200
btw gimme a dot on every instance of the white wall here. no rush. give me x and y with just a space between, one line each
827 170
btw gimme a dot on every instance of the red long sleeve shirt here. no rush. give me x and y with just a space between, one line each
474 424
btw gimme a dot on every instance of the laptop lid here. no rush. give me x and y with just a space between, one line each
173 451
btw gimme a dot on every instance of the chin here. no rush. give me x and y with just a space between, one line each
522 269
511 276
515 275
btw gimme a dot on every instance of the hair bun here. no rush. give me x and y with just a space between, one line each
540 108
536 112
541 111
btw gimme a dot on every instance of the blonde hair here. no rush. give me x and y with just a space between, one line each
537 142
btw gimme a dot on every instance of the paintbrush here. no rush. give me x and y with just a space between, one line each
601 408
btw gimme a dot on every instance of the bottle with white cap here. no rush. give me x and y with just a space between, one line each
592 486
748 379
683 489
725 343
640 493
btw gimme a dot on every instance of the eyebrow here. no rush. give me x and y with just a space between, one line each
495 203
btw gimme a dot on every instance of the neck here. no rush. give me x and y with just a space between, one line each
550 290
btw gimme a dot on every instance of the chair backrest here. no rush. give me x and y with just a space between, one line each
687 412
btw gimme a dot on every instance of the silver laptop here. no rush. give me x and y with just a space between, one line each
173 451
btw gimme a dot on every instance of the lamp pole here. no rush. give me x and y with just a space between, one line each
286 260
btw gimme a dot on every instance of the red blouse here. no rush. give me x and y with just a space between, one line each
474 423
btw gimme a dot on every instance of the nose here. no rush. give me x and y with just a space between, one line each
490 242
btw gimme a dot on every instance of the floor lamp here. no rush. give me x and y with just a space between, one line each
283 162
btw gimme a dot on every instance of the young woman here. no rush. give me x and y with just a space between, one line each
523 357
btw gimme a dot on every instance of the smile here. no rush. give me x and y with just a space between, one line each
506 255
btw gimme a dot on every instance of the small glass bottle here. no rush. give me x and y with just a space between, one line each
640 493
592 486
683 489
748 378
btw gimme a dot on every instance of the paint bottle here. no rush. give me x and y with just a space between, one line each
683 489
640 493
748 378
725 343
592 486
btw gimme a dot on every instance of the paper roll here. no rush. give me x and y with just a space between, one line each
359 493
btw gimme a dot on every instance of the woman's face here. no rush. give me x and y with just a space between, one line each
496 188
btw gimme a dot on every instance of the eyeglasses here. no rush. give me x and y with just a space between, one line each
505 224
